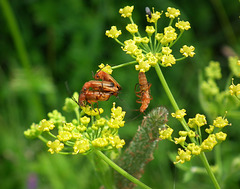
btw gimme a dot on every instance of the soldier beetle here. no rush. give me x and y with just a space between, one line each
101 86
93 96
144 93
106 77
95 90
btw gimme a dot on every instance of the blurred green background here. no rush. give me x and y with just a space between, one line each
65 41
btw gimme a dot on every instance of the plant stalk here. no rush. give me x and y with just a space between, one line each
120 170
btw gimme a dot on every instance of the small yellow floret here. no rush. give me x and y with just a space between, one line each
196 150
64 136
117 112
187 51
126 11
210 129
169 35
143 66
150 30
179 114
137 39
145 40
209 142
84 120
132 28
220 122
183 156
45 125
81 146
117 117
234 90
221 136
151 59
172 12
200 120
106 68
81 128
130 46
165 133
100 142
191 122
191 134
113 32
92 112
182 25
168 60
159 36
154 16
100 122
180 140
55 146
183 133
116 141
166 50
68 127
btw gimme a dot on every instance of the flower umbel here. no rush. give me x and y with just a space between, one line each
156 43
82 135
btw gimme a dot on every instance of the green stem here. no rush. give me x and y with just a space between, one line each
170 96
52 135
209 170
124 64
176 39
42 139
166 88
218 159
22 53
179 59
155 40
16 35
224 20
120 170
119 42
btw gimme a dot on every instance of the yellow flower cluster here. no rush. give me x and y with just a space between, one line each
46 125
165 133
117 116
179 114
154 16
80 134
215 135
149 50
183 156
198 121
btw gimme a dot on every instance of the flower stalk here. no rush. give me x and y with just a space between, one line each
120 170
